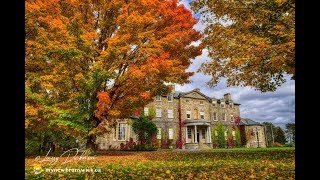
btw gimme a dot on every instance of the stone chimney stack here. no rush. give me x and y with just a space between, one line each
197 89
227 96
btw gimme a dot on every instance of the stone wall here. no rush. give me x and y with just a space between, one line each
252 137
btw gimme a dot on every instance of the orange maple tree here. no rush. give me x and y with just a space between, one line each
93 61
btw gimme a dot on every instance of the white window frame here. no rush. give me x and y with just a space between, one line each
188 112
122 127
170 113
158 98
202 114
158 112
214 103
146 111
215 116
189 133
203 133
171 98
170 133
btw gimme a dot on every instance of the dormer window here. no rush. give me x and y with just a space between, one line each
158 98
214 103
230 104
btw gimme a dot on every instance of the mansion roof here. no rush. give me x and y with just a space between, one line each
179 94
249 122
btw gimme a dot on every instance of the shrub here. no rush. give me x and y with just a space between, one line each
288 145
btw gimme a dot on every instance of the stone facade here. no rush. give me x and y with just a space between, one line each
255 139
199 113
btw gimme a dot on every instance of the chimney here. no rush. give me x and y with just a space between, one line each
227 96
197 89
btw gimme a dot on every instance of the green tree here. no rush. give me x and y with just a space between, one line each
220 128
291 132
214 137
145 129
237 137
250 42
270 130
279 136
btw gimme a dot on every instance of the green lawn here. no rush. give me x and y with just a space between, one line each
261 163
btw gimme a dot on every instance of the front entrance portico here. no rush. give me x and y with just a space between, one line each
197 131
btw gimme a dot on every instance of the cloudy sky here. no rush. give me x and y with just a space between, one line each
277 107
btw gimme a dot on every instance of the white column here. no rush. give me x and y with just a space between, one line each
207 135
210 139
186 134
195 134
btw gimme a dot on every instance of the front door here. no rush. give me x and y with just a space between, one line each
198 138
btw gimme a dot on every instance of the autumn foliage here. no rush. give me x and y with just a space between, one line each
250 42
90 61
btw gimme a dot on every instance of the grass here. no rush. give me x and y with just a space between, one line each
260 163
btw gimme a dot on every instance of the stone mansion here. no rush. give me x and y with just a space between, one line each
198 112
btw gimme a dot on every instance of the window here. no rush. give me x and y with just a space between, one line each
214 103
189 133
187 100
122 132
233 133
203 134
158 98
201 115
224 116
159 133
170 97
146 111
158 112
188 114
222 104
231 105
170 113
201 103
231 118
170 133
215 116
215 132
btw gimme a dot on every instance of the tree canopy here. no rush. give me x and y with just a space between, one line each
93 61
250 43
